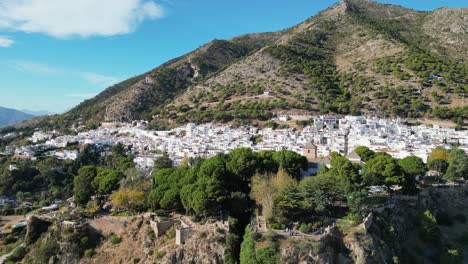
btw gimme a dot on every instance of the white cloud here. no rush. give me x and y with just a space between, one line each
33 67
99 79
81 95
65 18
6 42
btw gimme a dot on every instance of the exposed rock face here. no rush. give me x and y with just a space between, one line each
381 237
326 250
201 247
449 28
35 228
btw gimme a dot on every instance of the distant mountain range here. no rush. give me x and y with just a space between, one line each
36 113
357 57
11 116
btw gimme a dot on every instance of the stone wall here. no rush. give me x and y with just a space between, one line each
183 234
160 228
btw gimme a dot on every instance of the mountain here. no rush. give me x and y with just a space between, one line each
36 113
357 57
11 116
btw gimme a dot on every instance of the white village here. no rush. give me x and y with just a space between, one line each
316 142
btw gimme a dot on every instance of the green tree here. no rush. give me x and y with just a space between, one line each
345 173
290 161
427 227
171 199
288 204
162 162
413 166
364 152
247 253
458 165
438 165
383 170
243 163
107 180
82 187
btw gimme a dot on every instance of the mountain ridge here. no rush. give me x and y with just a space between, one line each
356 57
9 116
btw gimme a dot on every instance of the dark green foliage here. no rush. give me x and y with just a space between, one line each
83 188
46 250
383 170
24 179
162 162
17 255
290 161
427 227
364 152
243 163
306 228
107 180
119 159
288 204
438 165
114 239
247 253
250 255
413 166
458 165
309 55
452 253
267 255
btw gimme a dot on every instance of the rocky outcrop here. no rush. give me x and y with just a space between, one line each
35 228
307 250
202 247
381 237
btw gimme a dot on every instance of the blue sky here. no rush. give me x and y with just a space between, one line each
56 53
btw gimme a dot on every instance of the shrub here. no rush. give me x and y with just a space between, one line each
275 226
452 254
17 255
171 233
160 254
115 239
356 218
305 228
89 252
427 227
151 234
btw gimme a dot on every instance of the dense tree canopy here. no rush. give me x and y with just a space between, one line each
413 166
83 188
383 170
458 165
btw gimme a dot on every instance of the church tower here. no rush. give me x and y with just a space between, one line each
310 152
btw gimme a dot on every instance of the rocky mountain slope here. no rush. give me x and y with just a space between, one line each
11 116
394 232
358 56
